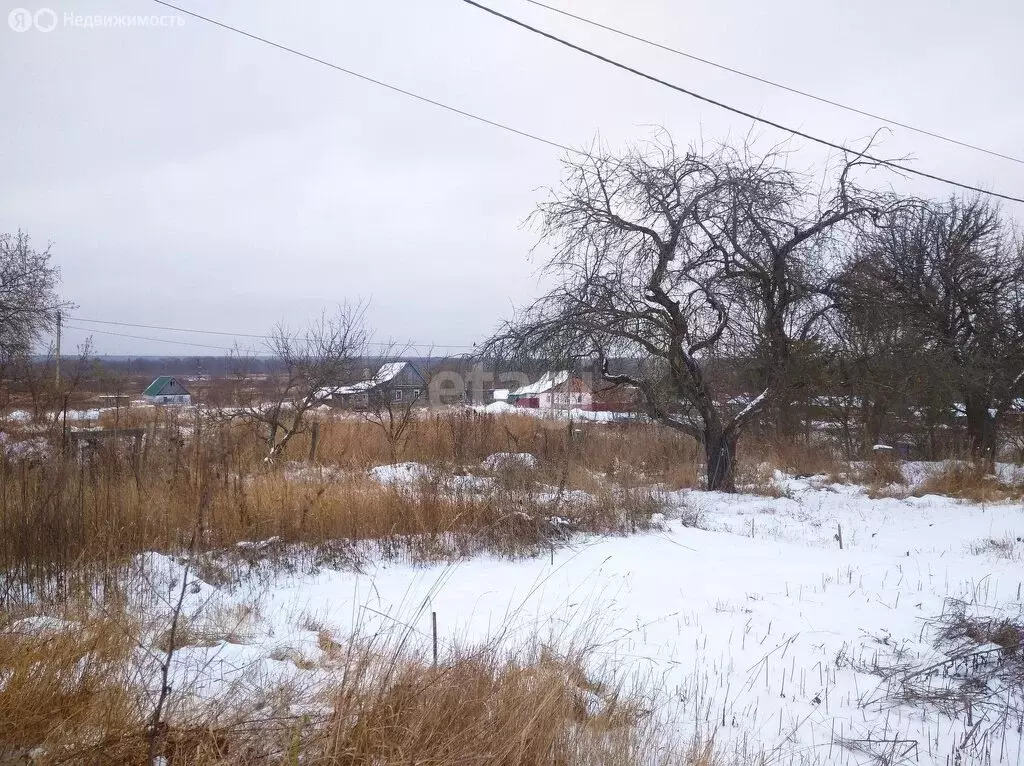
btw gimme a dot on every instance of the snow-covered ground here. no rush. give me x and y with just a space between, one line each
556 414
23 416
756 628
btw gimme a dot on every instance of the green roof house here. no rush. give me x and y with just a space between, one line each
167 390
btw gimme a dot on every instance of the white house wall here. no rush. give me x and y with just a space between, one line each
169 399
577 400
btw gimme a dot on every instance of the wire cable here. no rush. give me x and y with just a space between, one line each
245 334
733 109
142 337
171 329
825 142
365 78
776 84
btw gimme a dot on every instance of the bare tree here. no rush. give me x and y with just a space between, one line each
308 366
876 362
391 405
952 274
28 297
676 260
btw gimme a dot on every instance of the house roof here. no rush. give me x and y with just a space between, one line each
385 374
157 386
545 383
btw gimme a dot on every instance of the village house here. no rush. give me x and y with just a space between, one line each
623 398
552 391
167 390
395 382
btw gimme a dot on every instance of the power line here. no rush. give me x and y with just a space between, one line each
142 337
888 163
776 84
733 109
365 78
172 329
229 334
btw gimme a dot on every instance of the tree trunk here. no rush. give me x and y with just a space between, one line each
314 441
981 429
808 421
787 421
844 424
875 413
272 438
720 451
276 450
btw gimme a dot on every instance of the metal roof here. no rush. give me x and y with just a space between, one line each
157 386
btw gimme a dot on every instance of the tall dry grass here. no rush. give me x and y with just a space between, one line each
455 438
761 452
62 683
73 692
91 510
71 522
968 481
460 438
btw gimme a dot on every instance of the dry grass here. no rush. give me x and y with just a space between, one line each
1008 547
957 627
69 512
64 684
760 456
978 677
71 693
759 479
458 440
97 509
480 708
882 475
797 458
71 523
968 481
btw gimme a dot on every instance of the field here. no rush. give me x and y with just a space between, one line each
511 590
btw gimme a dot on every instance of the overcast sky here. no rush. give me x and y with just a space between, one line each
190 177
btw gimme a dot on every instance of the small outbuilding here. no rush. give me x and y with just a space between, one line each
167 390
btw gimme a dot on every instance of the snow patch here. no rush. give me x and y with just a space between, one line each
400 473
503 460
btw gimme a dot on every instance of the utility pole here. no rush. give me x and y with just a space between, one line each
58 347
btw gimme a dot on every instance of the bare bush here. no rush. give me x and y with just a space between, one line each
979 677
312 363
